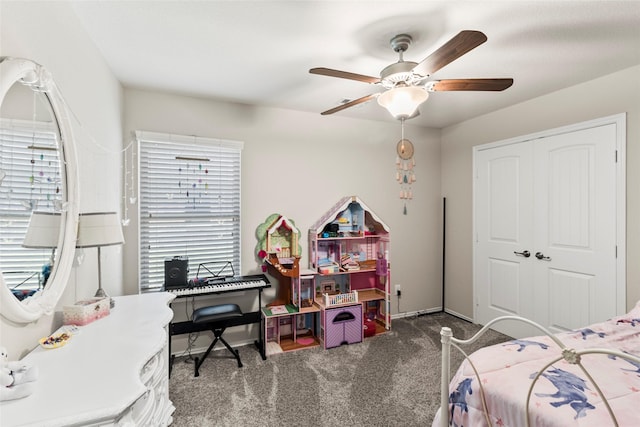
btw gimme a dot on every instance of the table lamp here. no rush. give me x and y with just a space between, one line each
43 232
96 230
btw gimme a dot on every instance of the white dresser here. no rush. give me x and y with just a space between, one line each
113 372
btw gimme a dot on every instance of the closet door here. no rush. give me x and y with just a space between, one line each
575 228
504 238
545 222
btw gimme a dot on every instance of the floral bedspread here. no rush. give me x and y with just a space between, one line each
563 395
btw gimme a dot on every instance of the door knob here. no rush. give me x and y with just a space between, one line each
541 256
525 254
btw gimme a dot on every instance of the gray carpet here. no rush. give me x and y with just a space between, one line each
391 379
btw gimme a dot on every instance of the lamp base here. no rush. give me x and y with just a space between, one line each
100 293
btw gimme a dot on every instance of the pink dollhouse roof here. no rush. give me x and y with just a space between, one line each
343 204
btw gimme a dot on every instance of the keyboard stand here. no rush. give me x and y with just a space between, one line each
187 327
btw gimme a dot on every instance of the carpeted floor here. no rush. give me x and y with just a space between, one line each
391 379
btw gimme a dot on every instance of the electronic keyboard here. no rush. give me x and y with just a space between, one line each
220 284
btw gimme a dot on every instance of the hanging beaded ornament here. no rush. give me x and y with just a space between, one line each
404 169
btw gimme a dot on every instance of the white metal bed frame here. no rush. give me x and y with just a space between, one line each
568 354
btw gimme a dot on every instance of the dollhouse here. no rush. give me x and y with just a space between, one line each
344 296
349 251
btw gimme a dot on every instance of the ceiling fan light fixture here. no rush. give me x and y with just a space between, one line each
402 102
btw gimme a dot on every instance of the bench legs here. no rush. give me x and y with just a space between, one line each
217 332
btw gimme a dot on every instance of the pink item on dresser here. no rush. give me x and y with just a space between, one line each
86 311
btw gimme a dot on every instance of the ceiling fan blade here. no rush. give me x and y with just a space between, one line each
344 75
469 84
460 44
349 104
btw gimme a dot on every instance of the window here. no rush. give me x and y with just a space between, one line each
30 181
189 203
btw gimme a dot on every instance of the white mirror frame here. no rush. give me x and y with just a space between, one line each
24 71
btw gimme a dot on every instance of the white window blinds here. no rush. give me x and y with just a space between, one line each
189 203
30 171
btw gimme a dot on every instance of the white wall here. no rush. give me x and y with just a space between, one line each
49 33
612 94
294 163
299 165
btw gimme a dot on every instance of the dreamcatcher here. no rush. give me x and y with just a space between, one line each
404 168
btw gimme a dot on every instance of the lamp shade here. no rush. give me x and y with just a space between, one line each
403 101
43 230
99 229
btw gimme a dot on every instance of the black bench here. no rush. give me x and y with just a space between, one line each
216 318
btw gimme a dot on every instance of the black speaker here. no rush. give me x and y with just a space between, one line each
176 270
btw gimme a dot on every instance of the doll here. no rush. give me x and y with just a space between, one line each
381 268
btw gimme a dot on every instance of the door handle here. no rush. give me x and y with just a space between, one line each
525 254
541 256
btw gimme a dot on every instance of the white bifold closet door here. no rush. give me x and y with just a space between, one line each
545 230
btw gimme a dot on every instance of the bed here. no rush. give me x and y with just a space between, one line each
586 377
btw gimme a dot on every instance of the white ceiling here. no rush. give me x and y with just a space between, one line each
259 52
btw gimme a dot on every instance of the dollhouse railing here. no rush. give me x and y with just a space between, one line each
339 299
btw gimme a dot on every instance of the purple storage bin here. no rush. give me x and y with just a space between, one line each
343 325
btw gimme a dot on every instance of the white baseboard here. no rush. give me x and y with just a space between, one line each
414 313
430 311
461 316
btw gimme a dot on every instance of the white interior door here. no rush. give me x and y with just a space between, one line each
503 240
555 197
575 222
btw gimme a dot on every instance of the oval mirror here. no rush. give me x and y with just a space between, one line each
38 191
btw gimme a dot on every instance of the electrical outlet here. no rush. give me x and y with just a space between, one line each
398 290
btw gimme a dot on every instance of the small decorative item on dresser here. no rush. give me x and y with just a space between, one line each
55 340
86 311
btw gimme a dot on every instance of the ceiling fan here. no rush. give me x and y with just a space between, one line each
409 80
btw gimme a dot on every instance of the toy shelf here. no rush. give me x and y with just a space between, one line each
351 237
348 272
371 295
